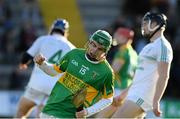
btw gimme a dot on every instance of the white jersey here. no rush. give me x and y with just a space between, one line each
146 75
53 47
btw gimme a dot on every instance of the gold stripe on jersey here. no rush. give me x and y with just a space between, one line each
62 77
91 95
86 104
72 83
57 68
105 94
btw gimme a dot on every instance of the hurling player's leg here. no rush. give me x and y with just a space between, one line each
40 106
36 111
129 109
24 108
141 116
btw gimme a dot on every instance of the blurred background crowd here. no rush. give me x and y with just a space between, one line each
20 24
22 21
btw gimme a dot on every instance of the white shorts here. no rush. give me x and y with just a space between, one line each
36 96
140 102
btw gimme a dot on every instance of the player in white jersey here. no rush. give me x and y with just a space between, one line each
53 46
151 76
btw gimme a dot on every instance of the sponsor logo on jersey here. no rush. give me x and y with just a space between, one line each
74 62
72 83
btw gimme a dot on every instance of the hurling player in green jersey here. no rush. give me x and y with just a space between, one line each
125 60
86 86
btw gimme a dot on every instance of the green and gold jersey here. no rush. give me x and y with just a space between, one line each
79 73
129 57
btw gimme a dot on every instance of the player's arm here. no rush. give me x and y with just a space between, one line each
107 96
118 100
117 64
164 57
163 71
54 69
100 105
26 59
48 68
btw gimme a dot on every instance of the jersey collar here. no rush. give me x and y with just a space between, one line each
94 62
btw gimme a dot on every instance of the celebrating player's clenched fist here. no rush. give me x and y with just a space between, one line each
39 59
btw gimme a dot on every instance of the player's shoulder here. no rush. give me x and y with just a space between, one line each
134 54
63 40
77 51
69 44
130 51
43 38
163 43
108 70
108 66
49 37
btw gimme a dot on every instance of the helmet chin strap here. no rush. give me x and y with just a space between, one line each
155 29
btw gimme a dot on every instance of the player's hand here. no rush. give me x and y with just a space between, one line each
118 100
39 59
81 114
156 109
23 66
115 102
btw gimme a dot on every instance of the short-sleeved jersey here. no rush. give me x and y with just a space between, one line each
129 56
146 74
79 73
53 47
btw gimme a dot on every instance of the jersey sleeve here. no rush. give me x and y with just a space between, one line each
108 90
34 49
62 64
164 54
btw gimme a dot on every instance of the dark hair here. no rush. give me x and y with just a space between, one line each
57 31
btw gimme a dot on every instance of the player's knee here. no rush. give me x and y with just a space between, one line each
24 108
21 112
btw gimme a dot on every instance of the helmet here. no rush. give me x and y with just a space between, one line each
102 37
60 24
126 32
160 19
